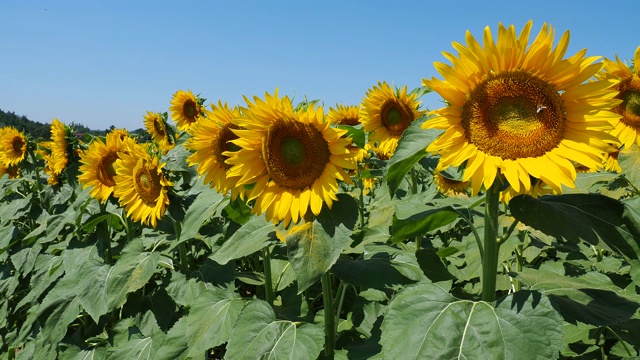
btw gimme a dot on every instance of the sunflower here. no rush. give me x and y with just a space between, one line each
97 166
344 115
185 108
521 111
627 129
449 186
58 158
379 153
293 159
386 114
13 146
210 140
140 184
44 150
12 170
538 188
160 131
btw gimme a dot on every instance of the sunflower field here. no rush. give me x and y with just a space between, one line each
504 225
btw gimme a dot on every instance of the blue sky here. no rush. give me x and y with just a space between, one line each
103 63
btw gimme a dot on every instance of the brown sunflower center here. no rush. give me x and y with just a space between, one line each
514 115
158 126
190 109
630 107
146 182
221 143
18 144
396 116
295 154
106 171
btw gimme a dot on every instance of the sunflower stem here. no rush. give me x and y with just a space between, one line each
35 167
360 198
268 282
414 190
491 245
104 235
329 315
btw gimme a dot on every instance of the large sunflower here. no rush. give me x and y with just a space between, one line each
185 109
13 146
386 114
521 110
344 115
140 184
210 140
59 158
294 159
97 166
627 129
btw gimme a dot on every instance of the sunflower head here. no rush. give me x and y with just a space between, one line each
344 115
294 159
521 110
12 171
161 132
627 129
449 186
386 113
211 140
140 183
186 108
97 169
13 146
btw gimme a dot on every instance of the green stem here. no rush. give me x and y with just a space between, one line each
329 316
414 181
491 246
475 233
361 199
38 186
104 235
506 235
342 290
268 282
624 344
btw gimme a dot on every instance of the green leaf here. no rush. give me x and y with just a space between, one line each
411 148
420 222
131 272
629 160
425 322
206 205
210 322
258 335
249 238
14 209
313 247
594 218
591 298
355 133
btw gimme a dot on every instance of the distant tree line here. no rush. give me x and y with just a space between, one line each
39 131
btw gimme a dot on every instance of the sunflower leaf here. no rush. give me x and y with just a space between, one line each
425 321
411 148
630 163
594 218
251 237
258 335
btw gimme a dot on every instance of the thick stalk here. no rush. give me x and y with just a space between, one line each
360 183
329 316
104 235
268 282
35 167
414 190
491 246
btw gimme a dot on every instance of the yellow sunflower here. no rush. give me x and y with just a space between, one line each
44 150
628 87
97 166
210 139
157 127
450 187
13 146
185 109
538 189
386 114
294 159
521 110
140 184
58 158
13 171
379 153
344 115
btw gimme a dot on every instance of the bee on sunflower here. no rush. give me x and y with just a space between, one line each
519 111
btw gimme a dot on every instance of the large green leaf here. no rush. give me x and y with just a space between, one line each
258 335
425 322
210 322
594 218
14 208
411 148
629 160
94 275
313 247
591 298
207 204
251 237
131 272
421 222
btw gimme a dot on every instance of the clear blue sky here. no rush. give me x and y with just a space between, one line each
102 63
